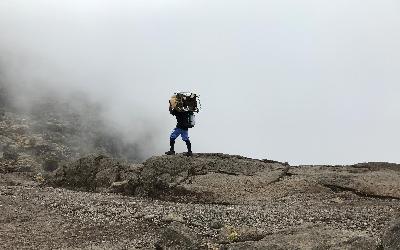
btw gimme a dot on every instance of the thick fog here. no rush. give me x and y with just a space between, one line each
303 81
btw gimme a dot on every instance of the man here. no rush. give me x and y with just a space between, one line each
182 129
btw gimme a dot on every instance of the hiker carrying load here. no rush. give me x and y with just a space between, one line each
183 105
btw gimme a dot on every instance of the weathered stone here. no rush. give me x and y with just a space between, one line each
391 238
216 225
178 236
367 180
171 217
97 173
119 187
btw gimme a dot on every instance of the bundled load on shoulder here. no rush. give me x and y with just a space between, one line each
185 102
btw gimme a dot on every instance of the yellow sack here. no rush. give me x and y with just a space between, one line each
173 102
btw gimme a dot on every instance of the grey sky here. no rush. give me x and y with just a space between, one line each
300 81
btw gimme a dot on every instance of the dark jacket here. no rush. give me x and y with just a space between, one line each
182 119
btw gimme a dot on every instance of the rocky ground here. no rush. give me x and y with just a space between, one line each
209 201
54 197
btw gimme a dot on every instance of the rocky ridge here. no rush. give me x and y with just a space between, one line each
235 202
176 202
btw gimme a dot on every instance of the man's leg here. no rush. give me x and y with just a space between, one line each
175 133
189 146
185 138
171 145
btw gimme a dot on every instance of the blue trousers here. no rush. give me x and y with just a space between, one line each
179 132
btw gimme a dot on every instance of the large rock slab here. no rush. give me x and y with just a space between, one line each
96 173
211 178
206 178
376 180
226 179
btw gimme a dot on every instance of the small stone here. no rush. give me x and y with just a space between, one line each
173 217
216 225
118 187
149 217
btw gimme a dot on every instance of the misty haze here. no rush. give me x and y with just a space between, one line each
299 81
296 141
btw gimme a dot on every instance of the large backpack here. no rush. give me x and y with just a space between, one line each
185 101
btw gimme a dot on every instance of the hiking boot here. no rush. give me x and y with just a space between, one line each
188 153
170 152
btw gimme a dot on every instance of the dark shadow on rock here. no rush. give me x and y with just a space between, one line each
50 165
